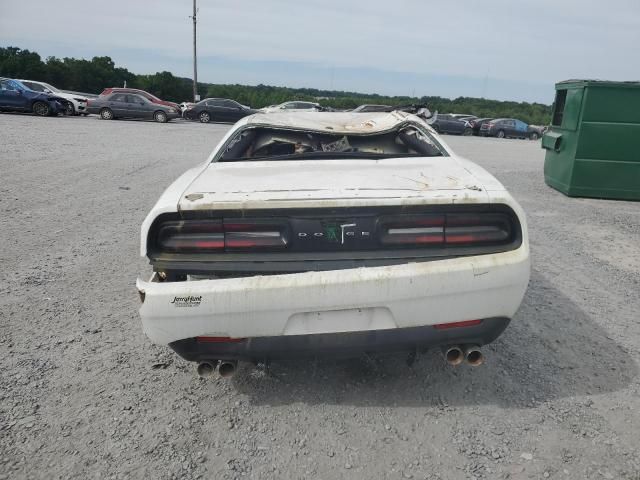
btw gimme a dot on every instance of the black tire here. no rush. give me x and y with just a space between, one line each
42 109
107 114
204 117
70 110
468 132
160 117
501 134
534 136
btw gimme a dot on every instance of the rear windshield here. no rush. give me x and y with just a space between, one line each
283 144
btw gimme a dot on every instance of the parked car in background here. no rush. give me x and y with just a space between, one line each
476 123
218 110
184 106
152 98
130 105
77 104
373 108
17 97
505 128
462 116
536 131
257 256
420 110
447 123
294 106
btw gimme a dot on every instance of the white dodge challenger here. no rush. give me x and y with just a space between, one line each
332 234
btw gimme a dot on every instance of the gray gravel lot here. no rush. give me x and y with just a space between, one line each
83 394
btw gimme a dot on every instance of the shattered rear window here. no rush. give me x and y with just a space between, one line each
265 143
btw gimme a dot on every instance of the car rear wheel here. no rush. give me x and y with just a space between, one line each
533 136
106 114
467 132
160 117
500 134
41 109
70 110
205 117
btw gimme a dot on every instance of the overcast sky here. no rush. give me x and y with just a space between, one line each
503 49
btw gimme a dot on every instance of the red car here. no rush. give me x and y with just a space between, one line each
147 95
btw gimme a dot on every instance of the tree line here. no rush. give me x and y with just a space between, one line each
92 76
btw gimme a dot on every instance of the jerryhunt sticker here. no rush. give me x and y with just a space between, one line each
186 301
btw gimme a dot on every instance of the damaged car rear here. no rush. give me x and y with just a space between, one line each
332 234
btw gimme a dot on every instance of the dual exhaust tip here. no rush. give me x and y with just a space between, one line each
456 354
225 368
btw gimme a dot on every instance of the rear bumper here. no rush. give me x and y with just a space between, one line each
337 301
339 345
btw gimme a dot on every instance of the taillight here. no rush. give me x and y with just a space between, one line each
412 230
446 230
185 236
476 229
218 236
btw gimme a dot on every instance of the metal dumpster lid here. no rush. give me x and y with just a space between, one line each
598 83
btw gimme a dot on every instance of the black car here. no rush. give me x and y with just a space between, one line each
449 124
505 128
218 110
476 123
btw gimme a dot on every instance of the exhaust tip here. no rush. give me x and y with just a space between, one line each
227 369
473 356
206 369
454 355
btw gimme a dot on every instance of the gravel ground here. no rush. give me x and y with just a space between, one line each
83 394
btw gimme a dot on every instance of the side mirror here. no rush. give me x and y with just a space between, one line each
46 90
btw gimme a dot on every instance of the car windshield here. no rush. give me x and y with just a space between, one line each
51 88
266 143
19 85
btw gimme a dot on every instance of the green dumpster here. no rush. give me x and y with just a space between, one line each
593 143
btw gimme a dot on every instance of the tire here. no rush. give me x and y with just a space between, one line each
467 132
534 136
204 117
106 114
501 134
42 109
160 117
70 110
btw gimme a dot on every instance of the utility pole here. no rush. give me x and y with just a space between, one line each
196 97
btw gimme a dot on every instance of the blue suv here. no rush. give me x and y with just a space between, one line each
14 96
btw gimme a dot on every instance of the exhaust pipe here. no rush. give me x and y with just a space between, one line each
206 369
454 355
227 368
473 355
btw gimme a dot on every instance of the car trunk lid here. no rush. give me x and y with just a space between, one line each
269 184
